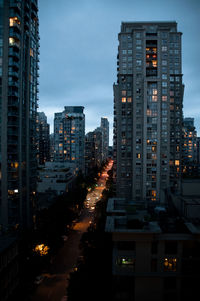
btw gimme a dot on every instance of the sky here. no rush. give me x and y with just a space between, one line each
78 53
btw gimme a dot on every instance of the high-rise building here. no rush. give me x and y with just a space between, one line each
69 136
148 99
93 150
190 148
43 142
19 50
105 132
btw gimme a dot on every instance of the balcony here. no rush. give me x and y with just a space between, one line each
14 34
13 114
13 93
13 53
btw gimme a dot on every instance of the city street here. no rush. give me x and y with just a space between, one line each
55 281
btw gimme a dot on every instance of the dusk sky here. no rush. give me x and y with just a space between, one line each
78 52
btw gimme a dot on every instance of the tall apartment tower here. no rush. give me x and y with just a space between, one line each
69 136
19 49
43 141
148 100
105 132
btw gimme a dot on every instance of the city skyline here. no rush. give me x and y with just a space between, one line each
85 61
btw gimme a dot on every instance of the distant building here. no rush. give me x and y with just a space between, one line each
54 179
69 136
110 152
93 150
43 138
51 139
148 100
89 152
19 56
105 132
190 152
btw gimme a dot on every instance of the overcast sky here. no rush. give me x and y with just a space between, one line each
78 50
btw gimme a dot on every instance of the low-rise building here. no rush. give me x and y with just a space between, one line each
54 179
155 256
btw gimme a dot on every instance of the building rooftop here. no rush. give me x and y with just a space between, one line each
158 220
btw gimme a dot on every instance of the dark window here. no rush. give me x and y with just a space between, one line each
153 265
126 245
169 283
170 247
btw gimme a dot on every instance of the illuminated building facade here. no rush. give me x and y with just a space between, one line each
148 99
19 51
69 136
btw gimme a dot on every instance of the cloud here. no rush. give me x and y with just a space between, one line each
79 49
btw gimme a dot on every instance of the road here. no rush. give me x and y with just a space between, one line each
54 285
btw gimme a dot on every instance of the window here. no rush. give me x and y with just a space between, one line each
138 34
138 42
126 262
123 99
164 76
170 247
129 99
14 21
124 51
164 48
126 245
177 162
170 264
153 265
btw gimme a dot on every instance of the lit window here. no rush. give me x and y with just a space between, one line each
31 52
138 156
177 162
170 264
60 144
123 99
155 91
126 262
154 63
14 21
124 93
129 99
